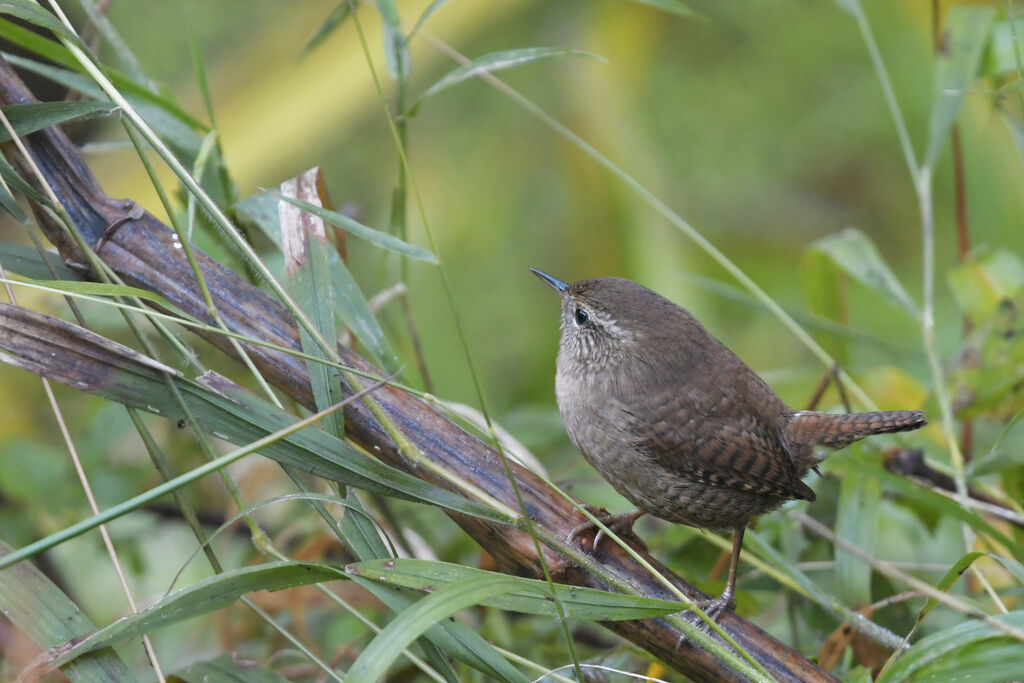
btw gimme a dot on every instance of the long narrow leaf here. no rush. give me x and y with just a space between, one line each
304 239
396 51
378 656
34 14
530 596
29 118
935 647
45 614
376 237
203 597
453 637
498 61
76 357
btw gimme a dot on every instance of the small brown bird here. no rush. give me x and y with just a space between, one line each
677 423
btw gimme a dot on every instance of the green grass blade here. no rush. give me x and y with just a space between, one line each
76 357
227 668
943 648
102 289
304 238
45 614
396 51
453 637
427 13
530 596
354 227
336 18
351 306
203 597
29 11
498 61
29 118
378 656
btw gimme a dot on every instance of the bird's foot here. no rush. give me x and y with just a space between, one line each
714 608
618 524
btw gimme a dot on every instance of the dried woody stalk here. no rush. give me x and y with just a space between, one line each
140 251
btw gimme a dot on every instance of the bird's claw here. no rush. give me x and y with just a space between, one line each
714 608
618 524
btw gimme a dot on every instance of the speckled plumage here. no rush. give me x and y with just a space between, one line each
675 421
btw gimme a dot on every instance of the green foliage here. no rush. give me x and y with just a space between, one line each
771 145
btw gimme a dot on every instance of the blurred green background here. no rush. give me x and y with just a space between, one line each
761 123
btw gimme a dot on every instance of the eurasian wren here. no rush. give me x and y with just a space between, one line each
677 423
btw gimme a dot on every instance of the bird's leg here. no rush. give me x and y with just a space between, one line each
726 602
620 524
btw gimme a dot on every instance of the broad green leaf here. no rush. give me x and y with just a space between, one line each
956 68
386 647
857 515
396 51
46 615
376 237
497 61
856 254
935 501
986 278
29 118
942 649
529 596
202 597
227 669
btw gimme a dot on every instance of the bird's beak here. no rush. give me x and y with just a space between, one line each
555 283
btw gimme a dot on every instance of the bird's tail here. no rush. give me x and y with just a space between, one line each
838 430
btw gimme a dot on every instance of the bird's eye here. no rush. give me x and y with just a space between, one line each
581 316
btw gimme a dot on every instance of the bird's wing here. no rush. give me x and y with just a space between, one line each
724 449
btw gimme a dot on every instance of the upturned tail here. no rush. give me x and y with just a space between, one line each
837 430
